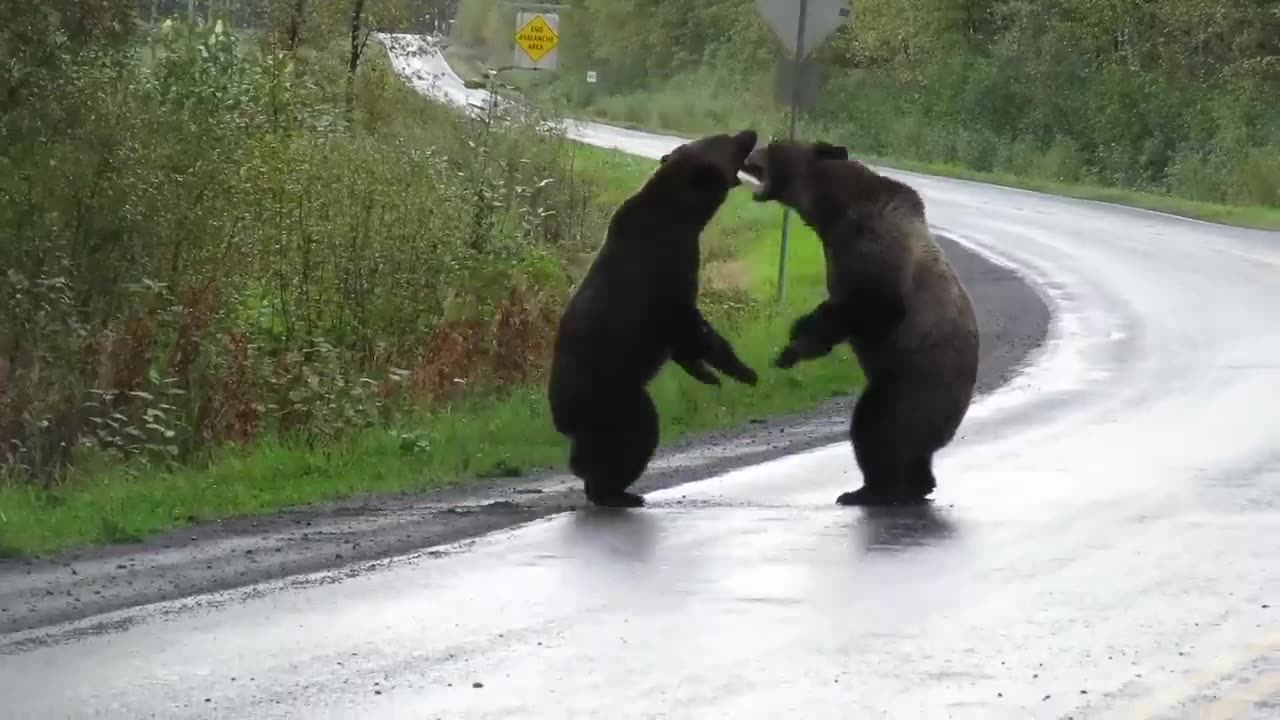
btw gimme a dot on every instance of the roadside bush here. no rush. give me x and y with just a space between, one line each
202 247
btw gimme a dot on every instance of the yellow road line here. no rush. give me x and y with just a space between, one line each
1195 682
1234 703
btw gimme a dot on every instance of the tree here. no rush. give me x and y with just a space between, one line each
297 11
359 38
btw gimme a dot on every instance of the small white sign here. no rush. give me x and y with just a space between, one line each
591 76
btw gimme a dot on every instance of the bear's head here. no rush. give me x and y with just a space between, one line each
786 170
704 170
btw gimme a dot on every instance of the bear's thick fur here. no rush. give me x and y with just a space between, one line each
635 308
894 297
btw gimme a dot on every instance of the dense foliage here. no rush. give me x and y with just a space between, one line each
1177 96
207 235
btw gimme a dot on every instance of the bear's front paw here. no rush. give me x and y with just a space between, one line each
787 358
701 373
746 376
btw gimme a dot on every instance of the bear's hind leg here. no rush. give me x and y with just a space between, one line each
920 480
594 458
611 457
926 426
878 445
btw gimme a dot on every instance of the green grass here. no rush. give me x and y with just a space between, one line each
124 504
479 437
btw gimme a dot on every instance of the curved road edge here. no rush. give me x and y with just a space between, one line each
1015 319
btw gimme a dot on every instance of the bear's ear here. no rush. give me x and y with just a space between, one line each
827 151
664 158
747 139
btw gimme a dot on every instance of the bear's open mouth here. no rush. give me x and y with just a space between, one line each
752 176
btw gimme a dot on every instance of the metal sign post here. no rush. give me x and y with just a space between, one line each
800 27
791 136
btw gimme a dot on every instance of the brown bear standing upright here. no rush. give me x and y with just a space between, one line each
635 309
894 297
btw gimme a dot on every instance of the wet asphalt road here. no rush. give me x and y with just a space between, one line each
1103 545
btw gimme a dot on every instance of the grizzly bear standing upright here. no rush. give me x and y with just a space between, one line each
635 309
894 297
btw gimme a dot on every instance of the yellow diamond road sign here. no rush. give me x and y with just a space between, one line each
536 38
